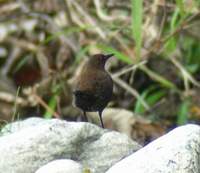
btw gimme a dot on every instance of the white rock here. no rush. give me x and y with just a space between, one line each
61 166
176 152
27 145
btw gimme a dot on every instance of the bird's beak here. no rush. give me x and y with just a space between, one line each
109 55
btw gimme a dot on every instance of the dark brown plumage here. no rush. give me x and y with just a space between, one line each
93 86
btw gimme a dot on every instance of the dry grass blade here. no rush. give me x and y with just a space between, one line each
10 98
103 16
128 69
89 19
132 91
186 75
7 8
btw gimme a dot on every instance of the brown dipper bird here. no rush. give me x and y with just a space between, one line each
93 86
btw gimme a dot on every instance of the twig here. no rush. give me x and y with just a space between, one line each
102 15
12 58
158 46
185 73
163 20
89 19
53 26
42 103
43 63
23 44
126 70
9 98
9 7
132 91
41 58
181 27
72 13
100 12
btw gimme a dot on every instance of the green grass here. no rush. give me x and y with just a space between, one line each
151 95
183 112
52 104
158 78
66 32
136 20
15 112
180 5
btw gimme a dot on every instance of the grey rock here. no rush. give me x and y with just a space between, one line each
30 145
176 152
61 166
17 126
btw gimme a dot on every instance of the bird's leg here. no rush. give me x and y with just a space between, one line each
85 116
100 116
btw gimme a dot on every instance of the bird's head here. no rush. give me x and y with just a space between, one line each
99 60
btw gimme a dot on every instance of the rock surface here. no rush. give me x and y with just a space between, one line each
27 145
61 166
176 152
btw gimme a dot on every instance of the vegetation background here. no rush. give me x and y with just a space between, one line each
156 69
